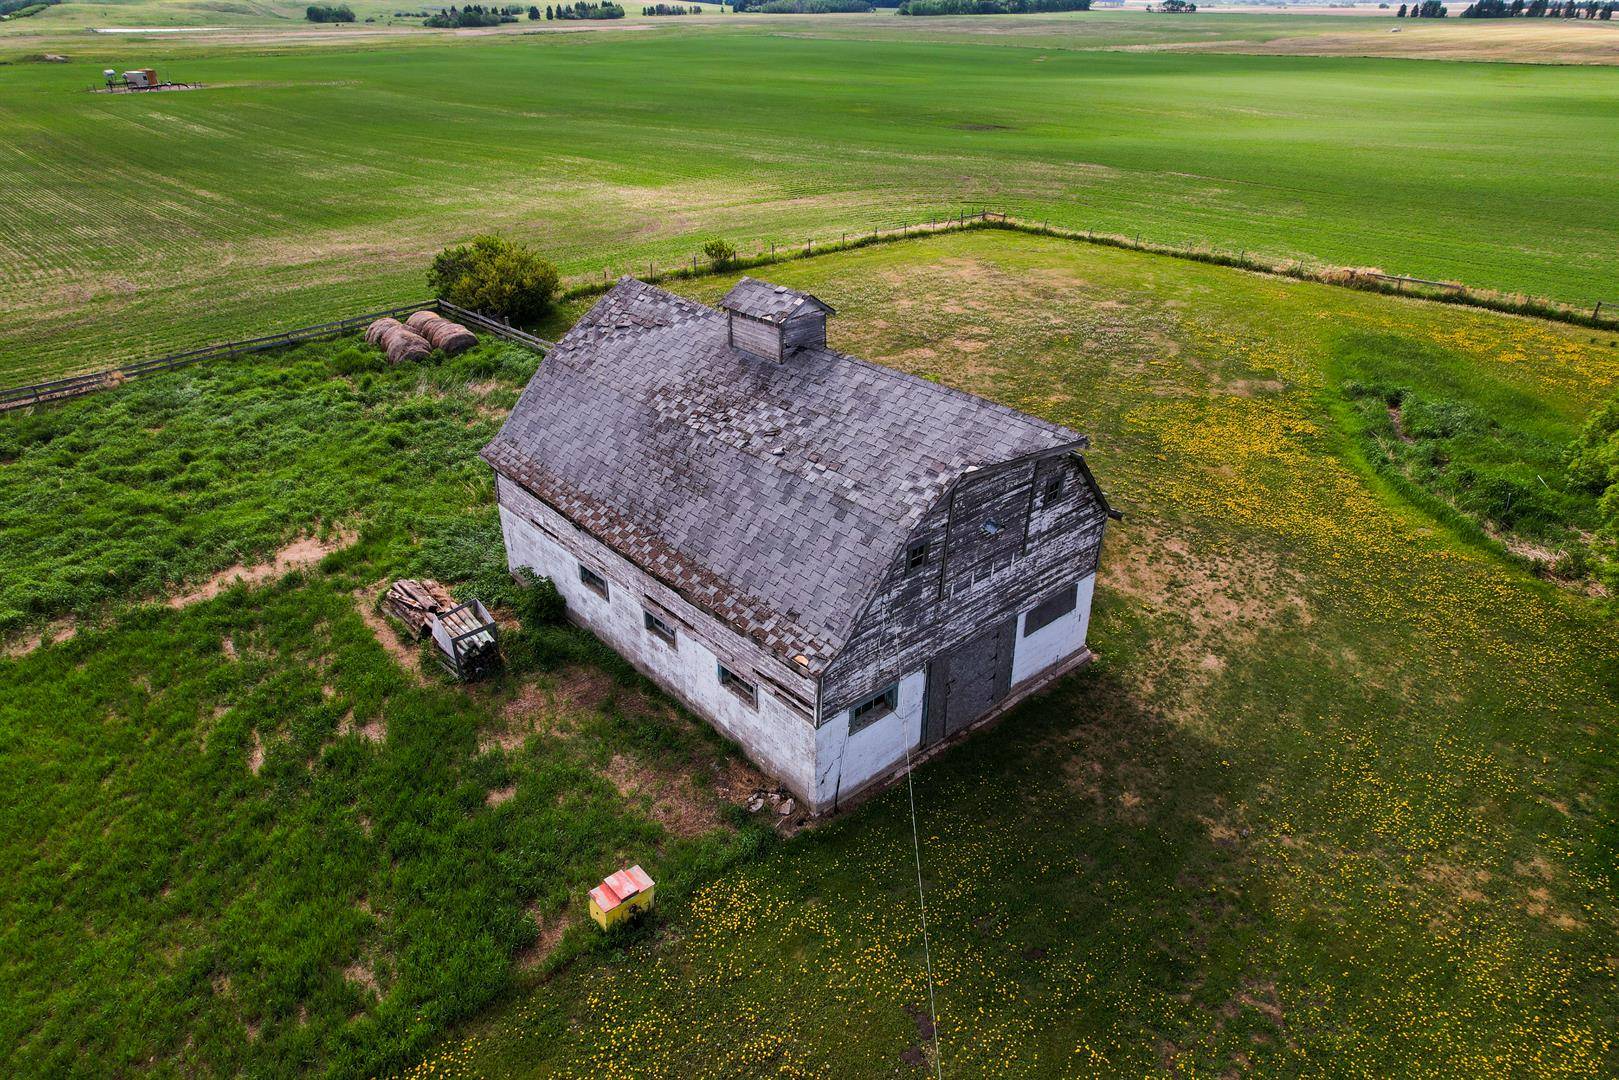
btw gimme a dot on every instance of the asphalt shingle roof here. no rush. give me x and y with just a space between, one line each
772 303
771 494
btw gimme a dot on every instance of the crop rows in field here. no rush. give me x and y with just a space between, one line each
305 183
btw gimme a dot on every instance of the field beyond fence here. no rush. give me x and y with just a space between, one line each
1366 279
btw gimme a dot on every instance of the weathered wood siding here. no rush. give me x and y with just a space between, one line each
972 576
756 336
807 331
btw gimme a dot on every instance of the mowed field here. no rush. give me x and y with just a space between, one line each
307 183
1337 798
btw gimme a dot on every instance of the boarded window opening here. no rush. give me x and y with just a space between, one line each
1051 609
1053 490
593 581
874 708
739 686
659 629
916 556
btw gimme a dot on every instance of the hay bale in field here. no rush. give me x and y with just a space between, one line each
397 340
452 337
373 333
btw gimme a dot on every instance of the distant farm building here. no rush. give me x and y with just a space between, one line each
837 564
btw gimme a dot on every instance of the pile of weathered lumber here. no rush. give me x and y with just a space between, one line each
397 340
418 603
441 333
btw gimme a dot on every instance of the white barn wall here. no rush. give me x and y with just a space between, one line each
1056 641
776 736
844 762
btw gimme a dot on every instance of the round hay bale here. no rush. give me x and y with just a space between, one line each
403 344
452 337
373 333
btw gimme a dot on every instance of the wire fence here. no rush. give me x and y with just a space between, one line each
776 252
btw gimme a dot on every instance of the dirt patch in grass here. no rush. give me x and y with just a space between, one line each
738 781
54 633
551 930
373 730
1212 604
360 974
295 556
255 755
365 600
673 801
500 795
549 705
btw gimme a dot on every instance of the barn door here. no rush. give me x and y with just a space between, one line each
967 682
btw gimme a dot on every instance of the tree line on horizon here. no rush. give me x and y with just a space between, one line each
989 7
1541 9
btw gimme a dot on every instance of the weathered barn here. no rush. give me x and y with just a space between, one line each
833 562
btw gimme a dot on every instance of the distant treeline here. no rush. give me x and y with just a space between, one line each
329 13
1428 9
671 9
21 9
582 10
453 18
989 7
802 7
1541 9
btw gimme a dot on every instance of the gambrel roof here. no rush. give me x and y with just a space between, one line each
773 494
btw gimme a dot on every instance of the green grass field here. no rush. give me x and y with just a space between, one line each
307 183
1338 797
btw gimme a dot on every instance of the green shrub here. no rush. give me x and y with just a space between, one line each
329 13
720 253
1593 465
495 276
538 602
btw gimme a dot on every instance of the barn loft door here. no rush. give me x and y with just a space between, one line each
966 683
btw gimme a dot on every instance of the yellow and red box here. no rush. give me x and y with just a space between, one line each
621 896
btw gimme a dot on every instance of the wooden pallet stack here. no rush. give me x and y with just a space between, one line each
416 603
467 641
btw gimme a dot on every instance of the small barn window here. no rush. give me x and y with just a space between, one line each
992 527
660 629
1051 609
916 556
739 686
873 709
593 581
1053 490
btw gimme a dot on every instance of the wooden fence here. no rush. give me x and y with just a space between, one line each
498 327
19 397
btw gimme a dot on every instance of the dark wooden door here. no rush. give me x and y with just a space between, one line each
967 682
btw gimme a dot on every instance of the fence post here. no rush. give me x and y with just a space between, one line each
1597 310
